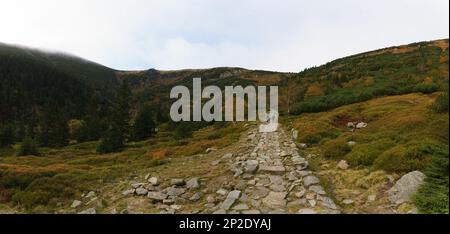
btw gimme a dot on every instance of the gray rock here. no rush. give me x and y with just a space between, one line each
260 192
328 202
174 191
348 201
350 125
317 189
222 192
211 199
241 206
141 191
406 187
220 211
134 185
306 211
177 182
76 204
156 196
91 194
193 183
154 181
272 169
310 180
351 143
128 192
88 211
275 199
231 198
209 150
371 198
195 197
250 212
251 166
343 165
361 125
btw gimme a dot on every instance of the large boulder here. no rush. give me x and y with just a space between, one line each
405 187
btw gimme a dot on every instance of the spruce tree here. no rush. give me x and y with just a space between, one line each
144 126
6 135
118 131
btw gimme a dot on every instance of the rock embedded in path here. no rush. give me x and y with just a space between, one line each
195 197
272 169
306 211
251 166
275 199
231 198
310 180
406 187
317 189
361 125
193 183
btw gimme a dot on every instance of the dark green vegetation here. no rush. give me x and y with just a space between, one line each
85 122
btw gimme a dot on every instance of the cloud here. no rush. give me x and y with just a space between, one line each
284 35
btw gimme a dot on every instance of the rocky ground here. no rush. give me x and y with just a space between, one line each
262 173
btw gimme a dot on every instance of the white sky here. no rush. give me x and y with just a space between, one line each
283 35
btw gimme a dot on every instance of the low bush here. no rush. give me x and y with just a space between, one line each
413 156
336 149
366 154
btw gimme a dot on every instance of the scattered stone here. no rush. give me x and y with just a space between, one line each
90 194
128 192
312 203
241 206
361 125
343 165
406 187
220 211
251 212
347 201
177 182
154 181
272 169
303 145
211 199
310 180
141 191
329 203
306 211
222 192
351 143
317 189
193 183
156 196
174 191
228 156
231 198
251 166
88 211
168 201
275 199
76 204
350 125
195 197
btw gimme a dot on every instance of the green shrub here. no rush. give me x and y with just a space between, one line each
365 154
28 147
311 138
433 196
413 156
440 105
336 149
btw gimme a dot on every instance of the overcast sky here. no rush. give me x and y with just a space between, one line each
281 35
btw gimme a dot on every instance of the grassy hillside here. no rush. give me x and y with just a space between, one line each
403 134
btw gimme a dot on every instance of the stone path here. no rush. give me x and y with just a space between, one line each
272 177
